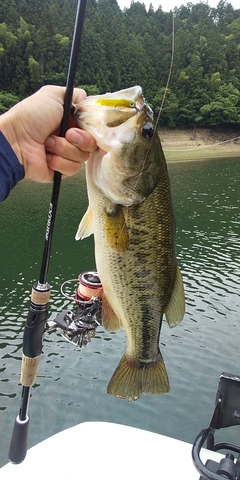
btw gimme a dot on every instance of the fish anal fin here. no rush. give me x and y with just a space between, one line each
85 226
109 318
175 310
115 228
132 378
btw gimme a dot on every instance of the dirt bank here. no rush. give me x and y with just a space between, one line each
193 144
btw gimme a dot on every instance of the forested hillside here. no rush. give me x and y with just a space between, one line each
123 48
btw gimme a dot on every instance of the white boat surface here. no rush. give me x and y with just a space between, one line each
107 451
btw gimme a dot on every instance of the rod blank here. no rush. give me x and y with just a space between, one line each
38 311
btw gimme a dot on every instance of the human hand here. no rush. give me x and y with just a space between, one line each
31 127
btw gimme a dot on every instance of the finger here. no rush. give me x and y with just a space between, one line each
60 164
61 147
59 92
78 95
81 139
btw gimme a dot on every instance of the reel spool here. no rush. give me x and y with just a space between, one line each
89 286
79 327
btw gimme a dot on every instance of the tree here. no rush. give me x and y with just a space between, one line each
35 77
7 100
123 48
224 108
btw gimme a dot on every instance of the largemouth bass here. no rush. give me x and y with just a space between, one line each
131 216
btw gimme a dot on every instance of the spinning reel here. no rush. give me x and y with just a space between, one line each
79 327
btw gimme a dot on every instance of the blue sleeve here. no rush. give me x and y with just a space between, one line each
11 170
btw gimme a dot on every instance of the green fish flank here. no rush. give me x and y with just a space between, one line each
131 217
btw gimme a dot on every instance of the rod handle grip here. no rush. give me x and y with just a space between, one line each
18 446
29 370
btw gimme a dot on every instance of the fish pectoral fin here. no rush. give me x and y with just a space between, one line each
132 378
85 226
115 228
175 310
110 320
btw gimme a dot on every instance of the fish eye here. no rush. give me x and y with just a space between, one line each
147 131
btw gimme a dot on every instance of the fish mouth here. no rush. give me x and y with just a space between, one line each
128 104
124 105
115 108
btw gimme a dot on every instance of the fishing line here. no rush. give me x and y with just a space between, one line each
169 73
65 294
164 97
163 100
86 302
204 146
138 176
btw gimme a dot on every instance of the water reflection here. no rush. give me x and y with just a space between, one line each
71 385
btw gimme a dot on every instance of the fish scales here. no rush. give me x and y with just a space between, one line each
135 258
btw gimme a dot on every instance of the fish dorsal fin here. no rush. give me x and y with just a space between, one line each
110 320
85 226
175 310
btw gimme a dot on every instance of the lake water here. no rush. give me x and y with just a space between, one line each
71 383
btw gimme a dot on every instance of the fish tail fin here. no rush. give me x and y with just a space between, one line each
131 378
155 378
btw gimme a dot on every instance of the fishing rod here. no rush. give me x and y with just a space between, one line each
40 296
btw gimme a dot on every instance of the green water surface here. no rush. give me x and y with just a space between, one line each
71 383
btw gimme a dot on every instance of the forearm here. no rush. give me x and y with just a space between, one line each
11 170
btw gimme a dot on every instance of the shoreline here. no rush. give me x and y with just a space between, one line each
183 145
